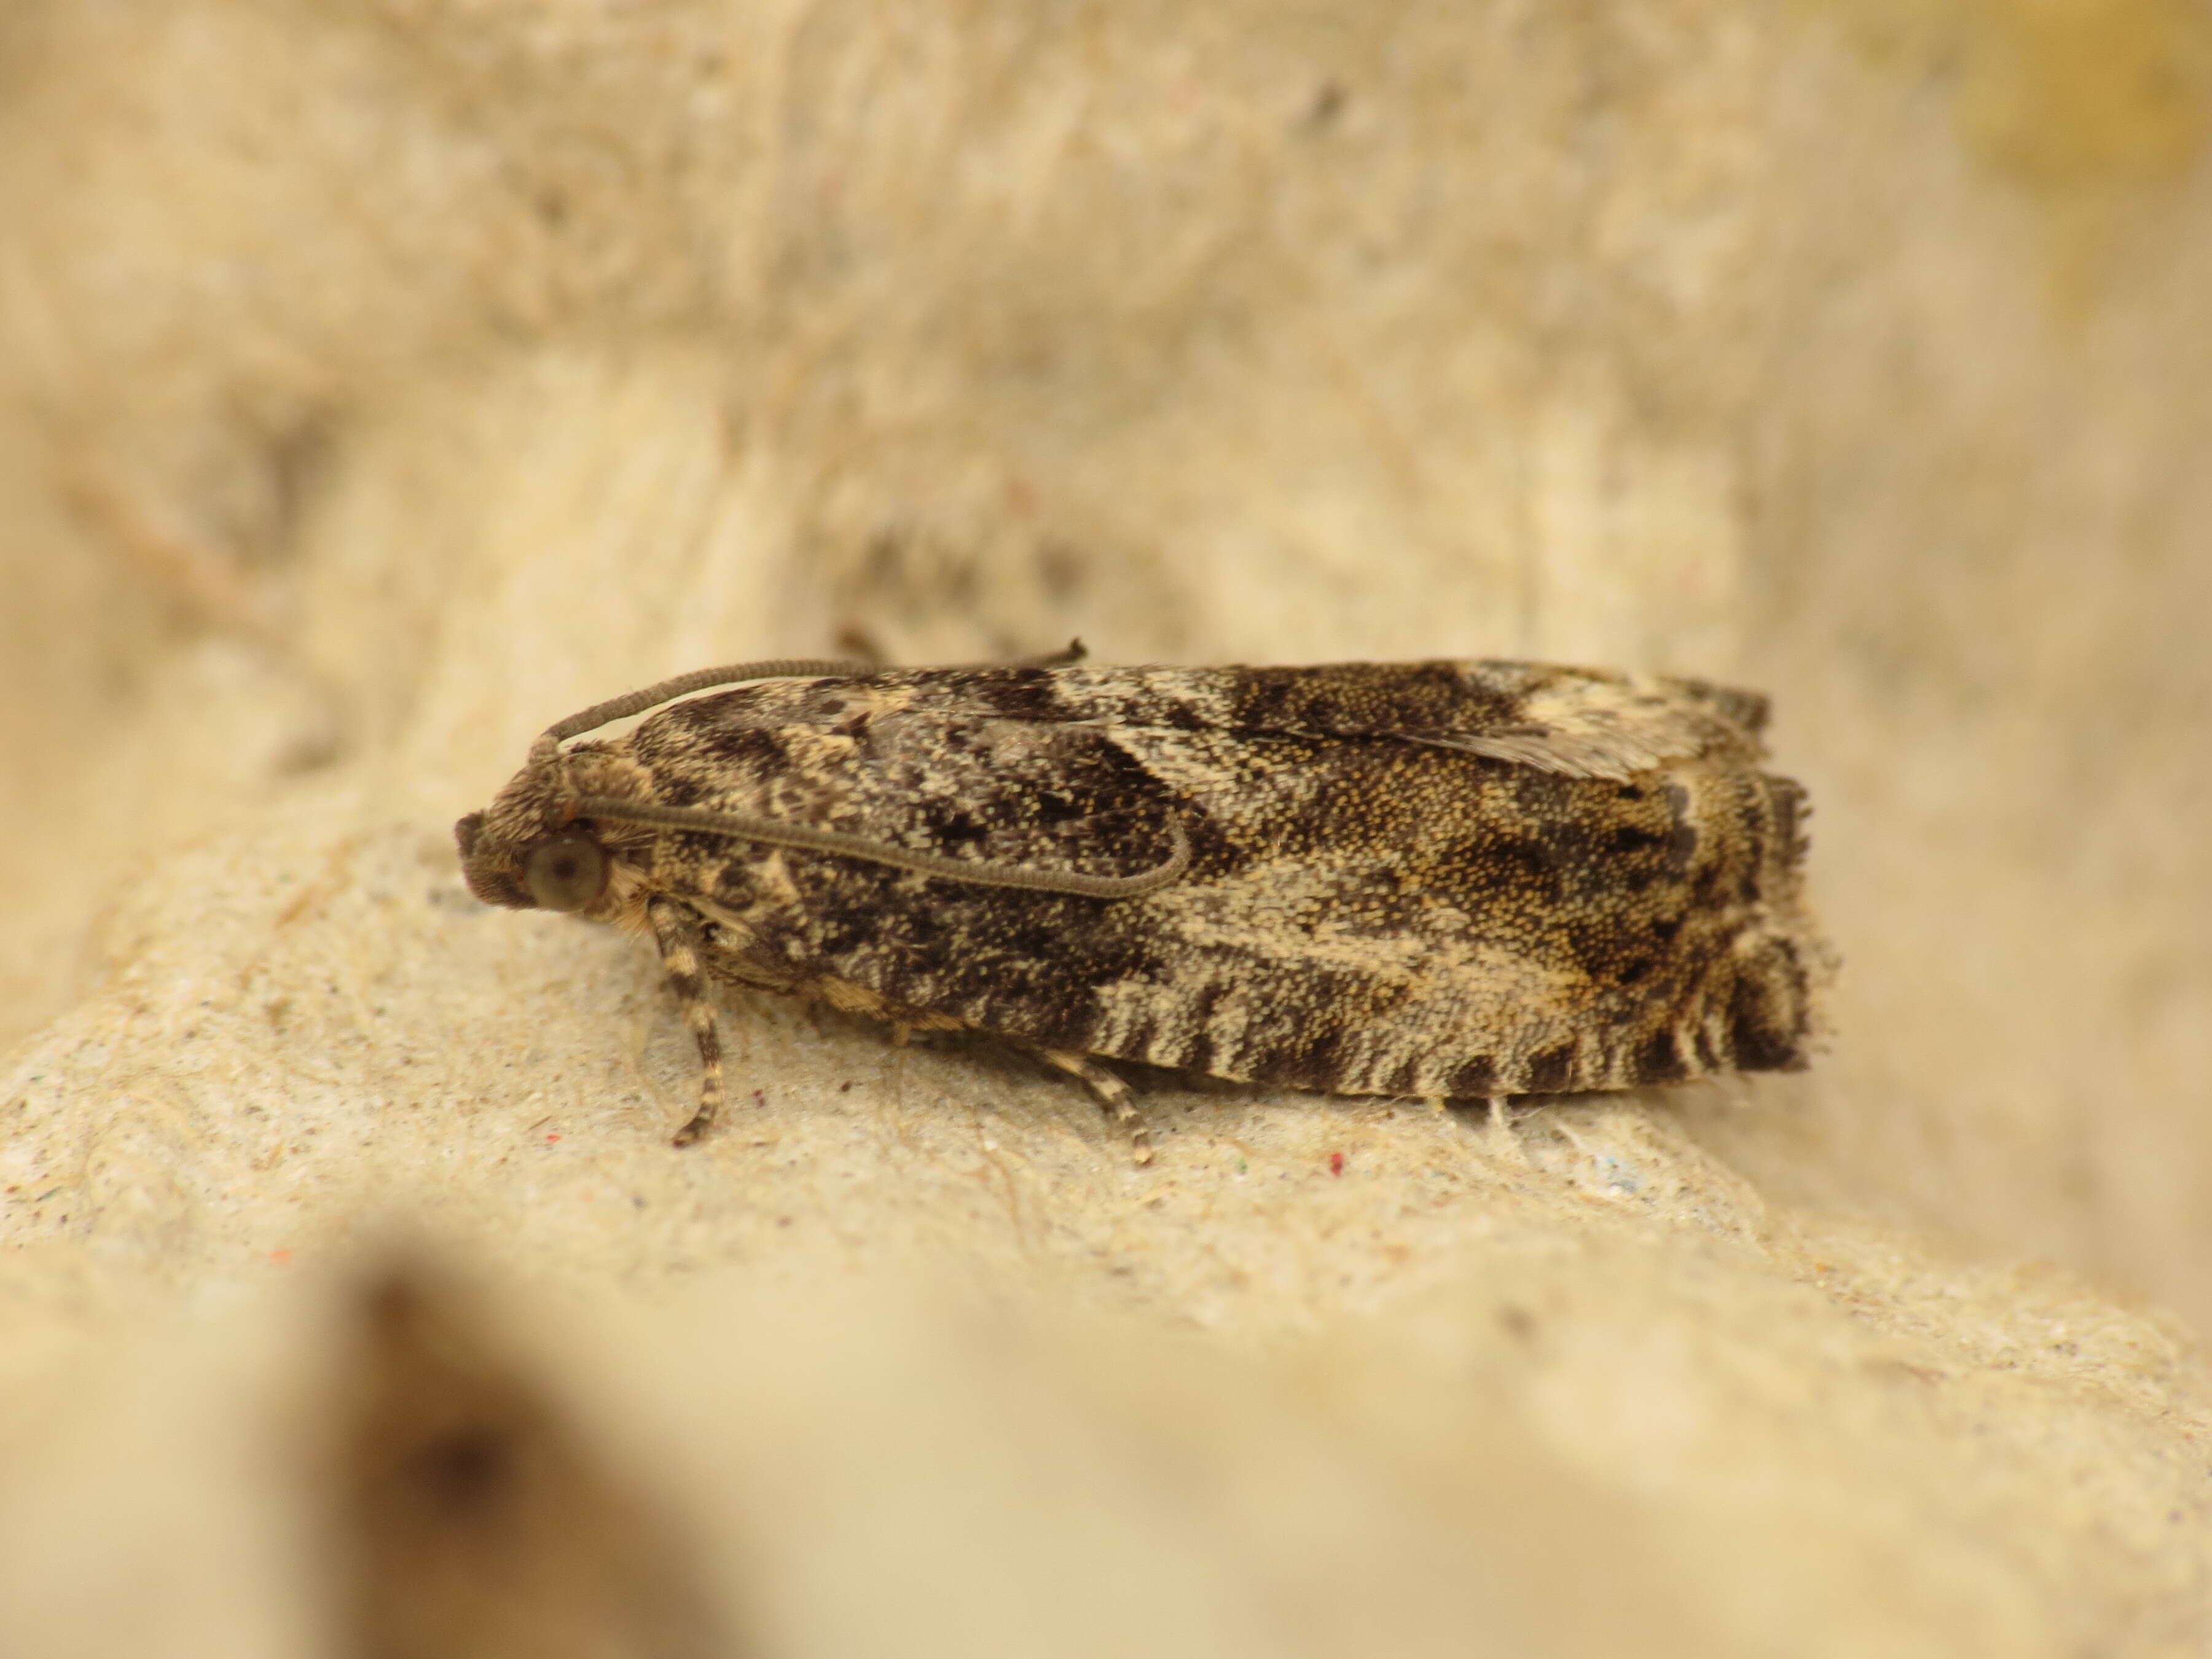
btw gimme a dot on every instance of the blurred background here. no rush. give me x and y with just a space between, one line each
1857 351
380 383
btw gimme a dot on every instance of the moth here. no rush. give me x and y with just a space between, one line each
1425 879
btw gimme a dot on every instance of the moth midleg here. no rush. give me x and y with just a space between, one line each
1112 1094
678 935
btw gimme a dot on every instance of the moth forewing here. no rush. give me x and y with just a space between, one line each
1432 879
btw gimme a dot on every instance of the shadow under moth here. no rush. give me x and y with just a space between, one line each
1436 879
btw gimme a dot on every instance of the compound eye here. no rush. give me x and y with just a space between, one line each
566 873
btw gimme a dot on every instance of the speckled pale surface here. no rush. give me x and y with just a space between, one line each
375 392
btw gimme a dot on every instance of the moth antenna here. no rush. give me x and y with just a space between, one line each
806 838
736 673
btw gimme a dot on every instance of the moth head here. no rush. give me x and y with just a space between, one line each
567 869
529 850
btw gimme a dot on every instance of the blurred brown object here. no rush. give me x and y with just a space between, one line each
472 1519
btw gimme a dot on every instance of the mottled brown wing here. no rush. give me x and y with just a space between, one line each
1389 906
1580 722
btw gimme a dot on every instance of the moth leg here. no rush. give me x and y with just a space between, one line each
1112 1094
674 932
1502 1131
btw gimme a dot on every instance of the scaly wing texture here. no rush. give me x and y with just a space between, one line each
1430 878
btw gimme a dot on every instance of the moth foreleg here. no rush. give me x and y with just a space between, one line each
678 935
1114 1095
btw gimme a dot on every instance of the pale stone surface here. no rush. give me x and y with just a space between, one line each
377 389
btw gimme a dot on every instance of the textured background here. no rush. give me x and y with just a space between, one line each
376 387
